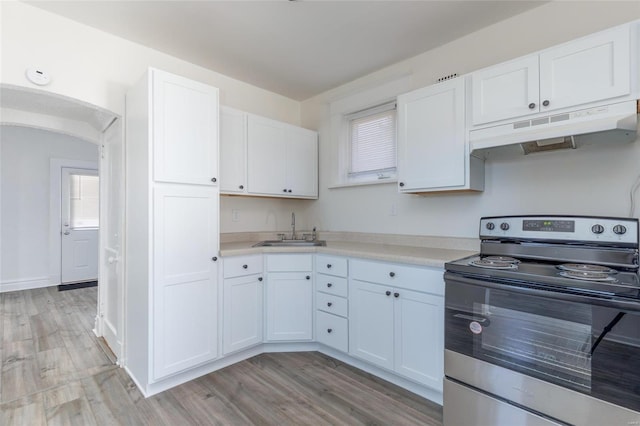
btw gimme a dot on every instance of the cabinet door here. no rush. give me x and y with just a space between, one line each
185 130
233 151
302 162
505 91
242 313
289 306
185 235
431 137
419 337
266 157
371 323
587 70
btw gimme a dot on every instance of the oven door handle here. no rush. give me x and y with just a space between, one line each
471 318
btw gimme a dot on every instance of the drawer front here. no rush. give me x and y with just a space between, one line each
332 265
238 266
332 330
423 279
332 285
330 303
289 262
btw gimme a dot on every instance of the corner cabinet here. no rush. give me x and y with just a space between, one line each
433 154
590 69
282 159
172 226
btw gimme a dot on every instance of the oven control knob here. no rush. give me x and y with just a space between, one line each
504 226
490 226
597 229
619 229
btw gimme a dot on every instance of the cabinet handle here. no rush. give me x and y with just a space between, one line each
329 304
546 102
284 190
388 293
214 258
532 105
245 266
401 184
259 278
308 277
214 180
328 266
288 190
392 274
329 285
241 187
329 330
396 295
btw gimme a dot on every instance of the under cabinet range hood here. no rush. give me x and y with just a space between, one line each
568 130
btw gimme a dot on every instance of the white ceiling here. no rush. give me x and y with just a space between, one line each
295 48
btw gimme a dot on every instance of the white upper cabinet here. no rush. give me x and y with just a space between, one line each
432 150
282 159
185 130
580 72
233 151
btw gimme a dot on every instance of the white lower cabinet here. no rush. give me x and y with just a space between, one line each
289 297
395 327
332 330
242 303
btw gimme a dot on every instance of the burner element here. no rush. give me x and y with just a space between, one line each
495 262
589 276
586 268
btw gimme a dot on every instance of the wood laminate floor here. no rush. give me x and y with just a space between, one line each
55 373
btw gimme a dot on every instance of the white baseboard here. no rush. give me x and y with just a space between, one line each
24 284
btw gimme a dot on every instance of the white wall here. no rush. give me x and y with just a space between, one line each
592 180
24 188
99 68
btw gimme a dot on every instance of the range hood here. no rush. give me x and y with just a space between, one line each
608 123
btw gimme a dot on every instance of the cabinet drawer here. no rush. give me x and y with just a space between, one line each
242 265
332 330
332 285
331 303
331 265
289 262
428 280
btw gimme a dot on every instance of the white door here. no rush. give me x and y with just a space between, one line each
587 70
505 91
79 227
302 162
233 151
289 306
431 137
266 151
242 323
371 323
419 344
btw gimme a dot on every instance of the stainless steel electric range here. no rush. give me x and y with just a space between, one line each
543 326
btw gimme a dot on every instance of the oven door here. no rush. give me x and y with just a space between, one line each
552 350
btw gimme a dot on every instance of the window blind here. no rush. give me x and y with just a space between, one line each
373 140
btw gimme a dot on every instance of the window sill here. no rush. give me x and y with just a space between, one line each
367 183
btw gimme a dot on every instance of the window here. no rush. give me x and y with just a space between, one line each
372 143
84 203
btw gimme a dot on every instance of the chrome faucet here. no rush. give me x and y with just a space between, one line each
293 226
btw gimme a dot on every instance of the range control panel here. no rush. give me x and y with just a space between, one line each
602 230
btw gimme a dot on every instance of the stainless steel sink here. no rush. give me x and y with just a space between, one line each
291 243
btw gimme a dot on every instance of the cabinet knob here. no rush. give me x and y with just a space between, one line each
329 304
214 180
329 330
392 274
401 184
284 190
388 293
241 187
308 277
532 105
245 266
214 258
328 266
329 285
288 190
546 102
396 295
259 278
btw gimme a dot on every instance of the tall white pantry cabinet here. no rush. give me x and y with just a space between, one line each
172 226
